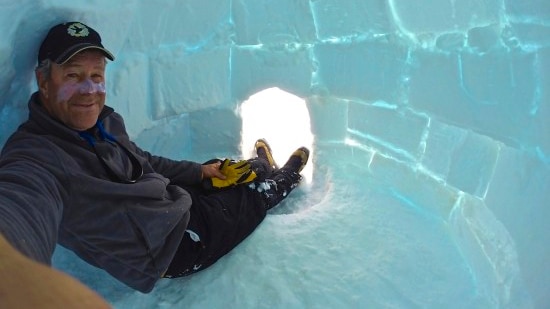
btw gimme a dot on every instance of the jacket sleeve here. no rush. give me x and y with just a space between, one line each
181 172
30 206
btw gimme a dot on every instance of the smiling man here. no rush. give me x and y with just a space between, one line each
71 175
78 67
83 74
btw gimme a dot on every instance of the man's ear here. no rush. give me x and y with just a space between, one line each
43 84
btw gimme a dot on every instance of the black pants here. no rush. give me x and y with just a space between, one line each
221 219
219 222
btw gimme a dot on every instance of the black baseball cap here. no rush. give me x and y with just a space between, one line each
66 40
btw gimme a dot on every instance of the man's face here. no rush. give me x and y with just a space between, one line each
75 92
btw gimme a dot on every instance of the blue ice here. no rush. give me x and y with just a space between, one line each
428 122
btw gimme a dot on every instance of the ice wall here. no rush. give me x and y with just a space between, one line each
447 102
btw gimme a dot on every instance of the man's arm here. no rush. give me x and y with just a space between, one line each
31 208
28 284
178 171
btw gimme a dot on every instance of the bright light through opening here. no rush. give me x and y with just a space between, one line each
280 118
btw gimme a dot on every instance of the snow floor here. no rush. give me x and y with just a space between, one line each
343 240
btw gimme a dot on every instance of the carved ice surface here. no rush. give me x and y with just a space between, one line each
430 167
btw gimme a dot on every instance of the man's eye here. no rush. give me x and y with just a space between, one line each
72 75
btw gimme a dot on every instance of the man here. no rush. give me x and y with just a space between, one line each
71 175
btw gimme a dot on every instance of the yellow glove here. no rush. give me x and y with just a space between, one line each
236 172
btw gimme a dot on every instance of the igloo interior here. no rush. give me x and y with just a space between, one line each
429 180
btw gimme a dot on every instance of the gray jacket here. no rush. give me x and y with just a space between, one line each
54 188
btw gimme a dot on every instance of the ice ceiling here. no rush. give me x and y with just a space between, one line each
445 103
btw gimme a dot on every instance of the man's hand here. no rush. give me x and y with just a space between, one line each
227 173
212 170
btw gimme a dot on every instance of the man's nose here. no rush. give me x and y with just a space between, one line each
88 86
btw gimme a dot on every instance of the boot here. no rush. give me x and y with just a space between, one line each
263 151
297 160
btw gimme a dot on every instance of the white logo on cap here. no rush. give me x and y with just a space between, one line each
78 30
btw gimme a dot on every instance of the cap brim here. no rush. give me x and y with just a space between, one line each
68 54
